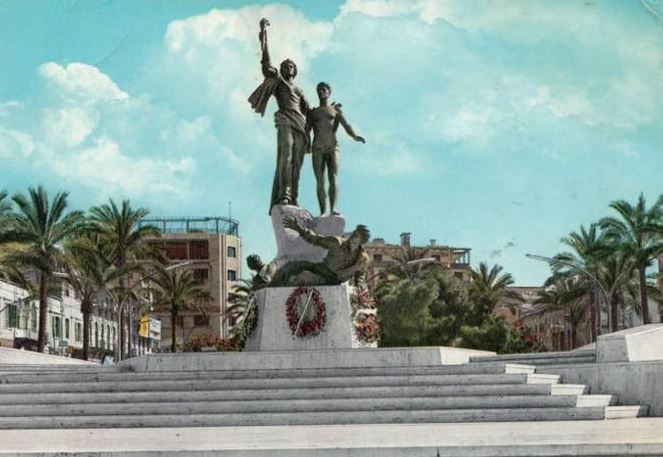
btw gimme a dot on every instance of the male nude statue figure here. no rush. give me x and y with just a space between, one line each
324 121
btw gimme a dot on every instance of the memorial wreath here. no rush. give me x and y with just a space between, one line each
305 312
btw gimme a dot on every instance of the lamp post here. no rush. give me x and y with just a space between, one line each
593 278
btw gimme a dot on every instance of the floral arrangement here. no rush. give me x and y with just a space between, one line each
196 344
367 327
305 312
361 298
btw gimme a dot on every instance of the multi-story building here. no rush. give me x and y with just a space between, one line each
381 253
19 314
214 249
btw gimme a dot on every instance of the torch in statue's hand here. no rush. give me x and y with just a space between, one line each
262 36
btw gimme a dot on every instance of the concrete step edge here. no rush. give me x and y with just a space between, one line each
295 393
299 405
306 418
440 370
626 411
283 382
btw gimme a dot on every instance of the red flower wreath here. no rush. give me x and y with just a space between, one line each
313 321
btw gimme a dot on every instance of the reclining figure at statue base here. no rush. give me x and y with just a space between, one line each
346 260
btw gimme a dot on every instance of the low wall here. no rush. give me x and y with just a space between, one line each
23 357
321 358
633 382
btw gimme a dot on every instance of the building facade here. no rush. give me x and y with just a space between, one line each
19 314
382 253
213 248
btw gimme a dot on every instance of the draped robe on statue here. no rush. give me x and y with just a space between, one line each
292 138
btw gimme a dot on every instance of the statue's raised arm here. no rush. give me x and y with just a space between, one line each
267 70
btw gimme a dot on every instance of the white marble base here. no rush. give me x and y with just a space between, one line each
290 245
631 345
273 333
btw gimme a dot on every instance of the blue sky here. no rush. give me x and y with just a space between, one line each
497 128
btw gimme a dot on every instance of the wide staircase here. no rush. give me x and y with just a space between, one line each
487 393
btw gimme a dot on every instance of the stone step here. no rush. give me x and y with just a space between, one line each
294 393
540 358
319 418
114 376
306 405
86 368
614 438
274 383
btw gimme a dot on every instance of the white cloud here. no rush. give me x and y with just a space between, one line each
86 129
103 164
68 126
473 124
220 49
427 10
15 143
81 82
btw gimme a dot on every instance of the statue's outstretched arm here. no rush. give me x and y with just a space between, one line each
347 127
309 235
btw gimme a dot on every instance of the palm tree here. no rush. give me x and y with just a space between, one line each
589 250
243 312
43 225
122 233
615 273
89 272
567 294
638 231
487 288
177 290
407 263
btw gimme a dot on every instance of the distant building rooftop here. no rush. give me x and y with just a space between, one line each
212 224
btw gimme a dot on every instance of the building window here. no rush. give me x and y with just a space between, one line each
57 327
200 274
377 257
33 319
201 320
180 321
78 331
232 320
458 274
232 275
12 316
176 250
66 329
199 249
231 251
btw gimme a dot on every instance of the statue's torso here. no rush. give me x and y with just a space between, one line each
322 120
288 97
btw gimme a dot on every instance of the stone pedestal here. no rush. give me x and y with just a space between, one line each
272 332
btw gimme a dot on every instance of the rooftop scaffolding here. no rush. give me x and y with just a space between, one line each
213 224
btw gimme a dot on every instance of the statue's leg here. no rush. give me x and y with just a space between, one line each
332 172
319 171
285 140
297 157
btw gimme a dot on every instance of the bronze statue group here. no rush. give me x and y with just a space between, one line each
346 259
295 120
